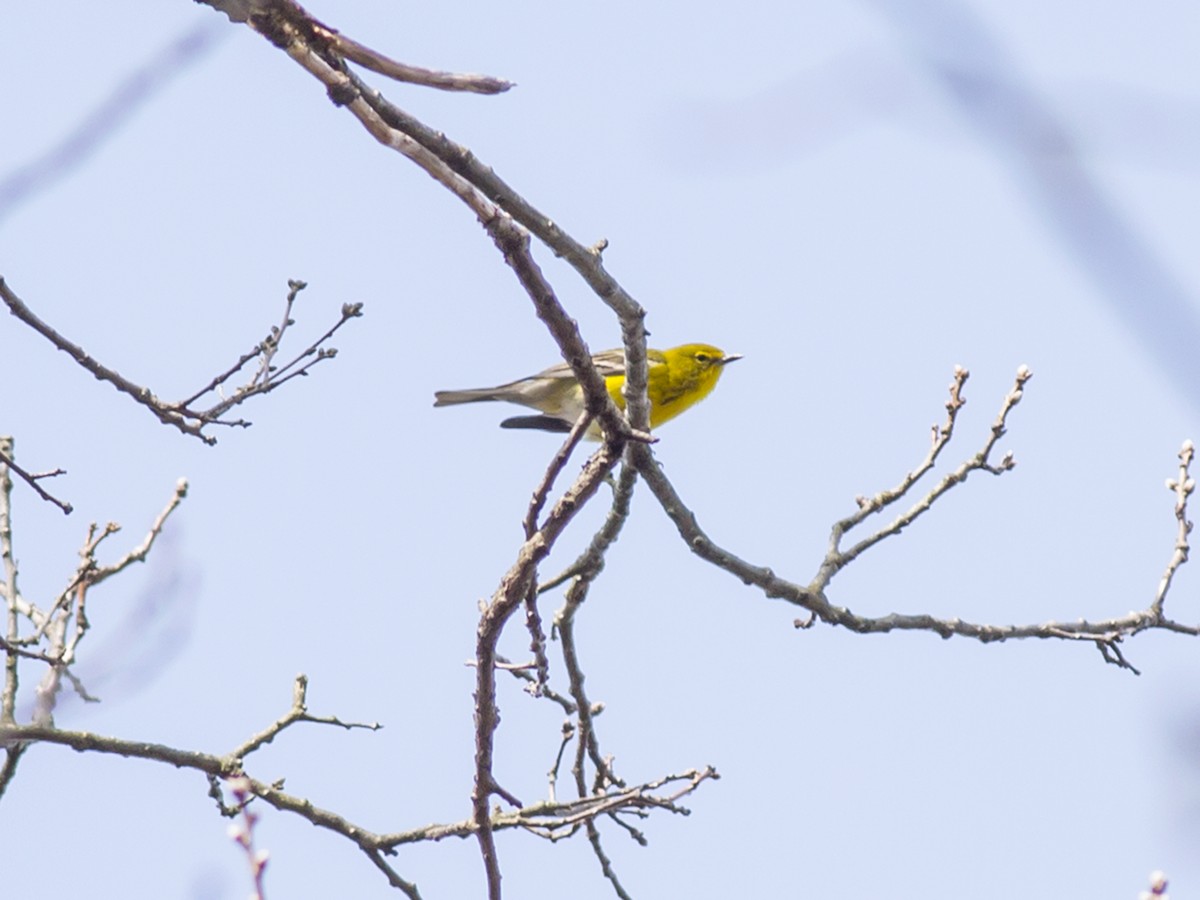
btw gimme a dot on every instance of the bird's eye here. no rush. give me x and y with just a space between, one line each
703 358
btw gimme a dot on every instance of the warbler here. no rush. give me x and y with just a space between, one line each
678 379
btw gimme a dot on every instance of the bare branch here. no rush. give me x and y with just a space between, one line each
606 866
1105 634
398 71
546 819
15 739
58 631
12 626
32 479
836 559
533 619
1182 486
298 713
1110 650
89 573
181 415
523 672
555 821
268 378
552 472
590 563
142 550
512 590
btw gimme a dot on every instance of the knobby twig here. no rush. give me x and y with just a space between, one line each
32 479
183 414
836 559
1181 486
298 713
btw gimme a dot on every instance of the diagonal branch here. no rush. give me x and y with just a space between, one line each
181 415
32 479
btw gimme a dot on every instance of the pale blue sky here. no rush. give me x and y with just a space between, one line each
792 182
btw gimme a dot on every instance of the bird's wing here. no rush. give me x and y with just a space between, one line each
607 362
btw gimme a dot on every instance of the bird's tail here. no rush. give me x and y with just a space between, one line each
476 395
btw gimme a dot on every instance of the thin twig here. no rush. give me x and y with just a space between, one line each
522 672
1182 486
141 551
12 628
552 472
298 713
398 71
533 619
32 478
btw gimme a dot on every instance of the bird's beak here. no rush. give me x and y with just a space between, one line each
730 357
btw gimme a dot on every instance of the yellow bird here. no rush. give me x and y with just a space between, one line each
678 379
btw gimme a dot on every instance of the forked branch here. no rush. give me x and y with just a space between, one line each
190 415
